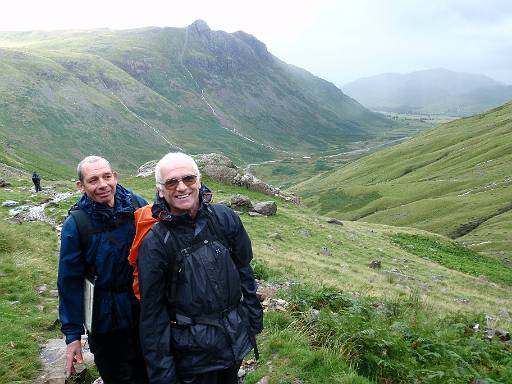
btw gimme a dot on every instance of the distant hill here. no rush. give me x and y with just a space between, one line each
455 180
135 94
437 91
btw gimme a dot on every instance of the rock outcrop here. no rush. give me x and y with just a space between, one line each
220 168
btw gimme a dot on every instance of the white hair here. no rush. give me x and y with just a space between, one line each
171 158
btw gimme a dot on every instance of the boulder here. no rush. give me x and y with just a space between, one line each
241 202
266 208
9 203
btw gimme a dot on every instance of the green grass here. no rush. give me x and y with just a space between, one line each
287 248
28 256
385 341
442 181
455 257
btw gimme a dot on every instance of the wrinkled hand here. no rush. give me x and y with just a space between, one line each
73 354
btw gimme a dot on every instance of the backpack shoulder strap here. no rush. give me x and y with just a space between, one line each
215 226
84 226
175 258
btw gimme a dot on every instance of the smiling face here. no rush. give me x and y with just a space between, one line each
182 198
99 182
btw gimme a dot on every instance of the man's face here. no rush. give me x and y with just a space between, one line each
183 197
99 182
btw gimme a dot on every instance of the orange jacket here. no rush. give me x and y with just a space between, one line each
143 223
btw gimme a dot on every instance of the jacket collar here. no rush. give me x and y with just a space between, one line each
122 204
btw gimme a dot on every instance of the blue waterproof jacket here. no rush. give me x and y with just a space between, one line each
115 306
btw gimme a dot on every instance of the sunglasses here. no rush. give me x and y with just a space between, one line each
173 183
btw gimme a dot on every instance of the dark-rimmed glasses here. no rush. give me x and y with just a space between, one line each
173 183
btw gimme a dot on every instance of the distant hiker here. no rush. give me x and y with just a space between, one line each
36 179
199 310
95 242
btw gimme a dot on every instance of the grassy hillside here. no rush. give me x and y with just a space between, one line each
454 180
134 94
374 324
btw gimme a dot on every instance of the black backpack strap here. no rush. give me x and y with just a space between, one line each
175 258
84 226
214 225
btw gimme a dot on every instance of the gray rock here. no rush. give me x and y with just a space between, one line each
254 214
375 264
241 373
240 201
325 251
266 208
53 357
335 221
9 203
41 289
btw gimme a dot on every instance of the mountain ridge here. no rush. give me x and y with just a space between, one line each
158 89
432 91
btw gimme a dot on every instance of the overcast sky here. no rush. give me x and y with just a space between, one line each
339 41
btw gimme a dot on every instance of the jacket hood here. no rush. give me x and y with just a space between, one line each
162 211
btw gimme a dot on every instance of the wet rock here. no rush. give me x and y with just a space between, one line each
241 202
9 203
266 208
41 289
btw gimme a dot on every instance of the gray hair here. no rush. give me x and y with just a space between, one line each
171 158
89 159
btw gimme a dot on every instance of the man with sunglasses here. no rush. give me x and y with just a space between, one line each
199 310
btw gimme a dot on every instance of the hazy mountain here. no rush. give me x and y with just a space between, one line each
455 180
133 95
438 91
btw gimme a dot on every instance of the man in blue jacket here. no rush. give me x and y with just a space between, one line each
199 310
103 256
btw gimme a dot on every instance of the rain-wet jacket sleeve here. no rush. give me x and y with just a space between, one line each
70 282
155 327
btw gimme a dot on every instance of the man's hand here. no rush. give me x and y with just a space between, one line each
73 354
